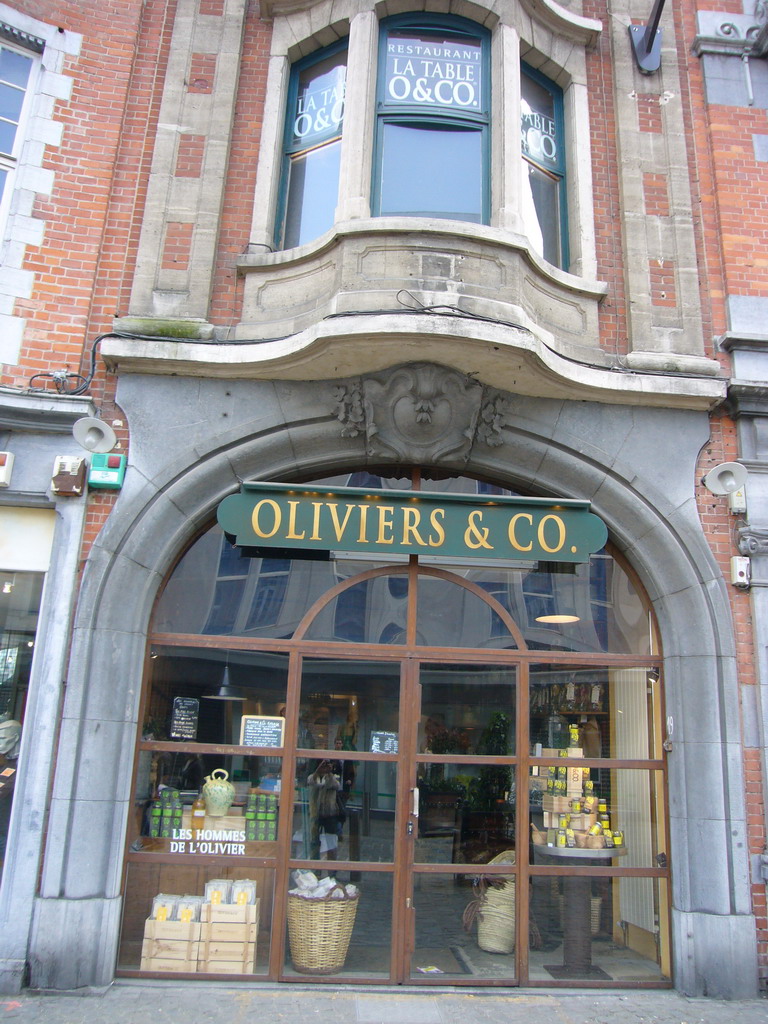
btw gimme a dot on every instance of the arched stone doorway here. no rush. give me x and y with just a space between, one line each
548 446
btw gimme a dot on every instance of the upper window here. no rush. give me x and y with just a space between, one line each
432 133
313 145
15 79
542 141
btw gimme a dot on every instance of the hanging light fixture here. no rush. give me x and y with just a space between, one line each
226 691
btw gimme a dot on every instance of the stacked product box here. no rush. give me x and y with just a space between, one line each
165 814
261 818
213 934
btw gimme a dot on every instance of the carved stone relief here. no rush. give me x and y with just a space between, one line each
421 413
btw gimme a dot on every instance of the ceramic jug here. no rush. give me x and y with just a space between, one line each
218 793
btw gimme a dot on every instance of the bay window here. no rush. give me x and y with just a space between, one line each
432 132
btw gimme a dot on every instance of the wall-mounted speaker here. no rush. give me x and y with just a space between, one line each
94 435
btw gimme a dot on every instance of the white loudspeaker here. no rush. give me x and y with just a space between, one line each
94 435
727 477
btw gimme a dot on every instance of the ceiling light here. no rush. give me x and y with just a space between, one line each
558 617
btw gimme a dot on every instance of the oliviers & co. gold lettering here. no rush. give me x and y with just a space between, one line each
406 522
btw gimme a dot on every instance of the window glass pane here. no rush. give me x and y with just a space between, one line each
601 929
448 615
226 685
178 811
466 812
538 125
433 69
312 193
434 171
609 712
11 102
313 147
467 709
319 108
20 594
366 954
224 938
458 937
344 810
372 611
14 67
215 590
541 213
7 136
348 706
619 820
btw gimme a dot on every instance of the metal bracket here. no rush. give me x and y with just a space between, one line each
646 41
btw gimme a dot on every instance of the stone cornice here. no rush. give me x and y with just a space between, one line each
48 413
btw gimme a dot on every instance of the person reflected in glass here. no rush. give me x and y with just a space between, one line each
326 811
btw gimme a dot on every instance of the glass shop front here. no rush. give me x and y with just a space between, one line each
418 769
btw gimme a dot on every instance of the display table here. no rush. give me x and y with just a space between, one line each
577 891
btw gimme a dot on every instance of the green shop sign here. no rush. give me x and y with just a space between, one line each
352 519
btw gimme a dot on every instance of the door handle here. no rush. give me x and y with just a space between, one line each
415 804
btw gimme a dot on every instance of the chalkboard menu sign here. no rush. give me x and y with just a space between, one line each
262 730
384 742
184 718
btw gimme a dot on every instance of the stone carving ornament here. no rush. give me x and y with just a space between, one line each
421 413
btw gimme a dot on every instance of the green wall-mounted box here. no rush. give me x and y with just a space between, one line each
107 471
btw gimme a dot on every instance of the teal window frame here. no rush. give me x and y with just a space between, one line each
555 169
292 148
407 113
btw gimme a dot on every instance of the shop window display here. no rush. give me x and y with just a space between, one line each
437 737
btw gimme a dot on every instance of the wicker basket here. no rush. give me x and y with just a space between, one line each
495 910
319 932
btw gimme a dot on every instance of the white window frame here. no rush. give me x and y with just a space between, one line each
10 161
40 129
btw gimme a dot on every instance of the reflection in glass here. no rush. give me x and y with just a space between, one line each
313 178
466 812
193 947
448 615
602 929
254 680
467 709
344 810
481 947
432 171
369 951
605 712
352 703
215 591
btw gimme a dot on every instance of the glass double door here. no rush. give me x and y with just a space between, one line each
405 783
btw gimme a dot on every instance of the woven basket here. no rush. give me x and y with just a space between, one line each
319 932
496 911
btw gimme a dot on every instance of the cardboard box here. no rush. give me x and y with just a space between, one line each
557 804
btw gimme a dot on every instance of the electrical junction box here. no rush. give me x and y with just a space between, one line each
6 468
107 471
68 475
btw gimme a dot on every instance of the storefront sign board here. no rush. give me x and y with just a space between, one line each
360 521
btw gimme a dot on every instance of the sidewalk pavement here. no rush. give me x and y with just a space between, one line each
129 1002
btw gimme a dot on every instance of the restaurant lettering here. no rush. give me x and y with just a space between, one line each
437 75
349 519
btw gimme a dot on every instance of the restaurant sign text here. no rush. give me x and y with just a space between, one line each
356 520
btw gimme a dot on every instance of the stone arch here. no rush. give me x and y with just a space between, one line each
608 455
